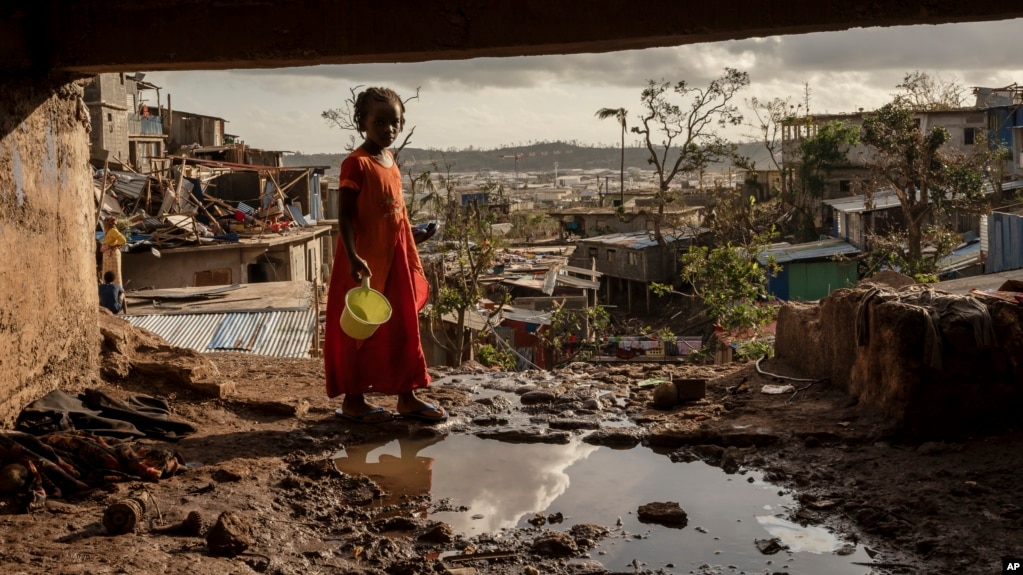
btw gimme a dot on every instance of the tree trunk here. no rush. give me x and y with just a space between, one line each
621 173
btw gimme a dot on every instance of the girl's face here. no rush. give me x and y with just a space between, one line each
382 123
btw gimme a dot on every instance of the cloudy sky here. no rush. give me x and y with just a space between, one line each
495 102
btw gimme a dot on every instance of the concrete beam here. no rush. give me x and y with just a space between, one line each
40 36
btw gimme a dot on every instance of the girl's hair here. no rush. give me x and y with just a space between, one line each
385 95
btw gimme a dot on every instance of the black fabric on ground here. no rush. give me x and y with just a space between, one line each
95 411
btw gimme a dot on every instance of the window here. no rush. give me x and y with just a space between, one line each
845 186
633 259
969 136
650 225
591 252
612 255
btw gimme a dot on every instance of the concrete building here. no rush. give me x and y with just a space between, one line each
127 125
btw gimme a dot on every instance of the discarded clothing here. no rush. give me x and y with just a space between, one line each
940 312
95 411
64 463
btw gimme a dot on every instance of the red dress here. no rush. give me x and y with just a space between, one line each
391 360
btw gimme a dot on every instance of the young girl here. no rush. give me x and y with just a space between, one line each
376 240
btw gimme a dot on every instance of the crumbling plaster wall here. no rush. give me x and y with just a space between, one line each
49 301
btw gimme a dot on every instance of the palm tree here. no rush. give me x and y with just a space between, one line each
620 114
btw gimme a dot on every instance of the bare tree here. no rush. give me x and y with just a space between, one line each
685 118
342 118
919 91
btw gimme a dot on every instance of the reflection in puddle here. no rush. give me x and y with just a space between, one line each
502 485
798 538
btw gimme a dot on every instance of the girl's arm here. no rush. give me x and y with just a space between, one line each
356 265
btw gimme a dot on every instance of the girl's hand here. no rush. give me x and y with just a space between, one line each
358 268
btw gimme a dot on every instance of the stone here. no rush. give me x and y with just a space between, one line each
438 533
665 395
537 397
769 546
588 531
555 544
230 536
667 513
585 567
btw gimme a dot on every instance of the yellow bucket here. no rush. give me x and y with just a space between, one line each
365 310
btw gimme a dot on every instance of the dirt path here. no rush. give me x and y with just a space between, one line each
262 453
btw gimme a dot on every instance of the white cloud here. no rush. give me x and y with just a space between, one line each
489 102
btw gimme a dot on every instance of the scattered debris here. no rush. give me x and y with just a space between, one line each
668 513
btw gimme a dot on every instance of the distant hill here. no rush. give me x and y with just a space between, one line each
532 158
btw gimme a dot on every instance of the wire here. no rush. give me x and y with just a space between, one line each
786 377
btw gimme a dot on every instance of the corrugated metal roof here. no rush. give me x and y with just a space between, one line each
881 201
886 199
129 184
960 258
526 316
271 333
572 281
809 251
642 240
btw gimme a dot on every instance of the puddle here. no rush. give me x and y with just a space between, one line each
484 486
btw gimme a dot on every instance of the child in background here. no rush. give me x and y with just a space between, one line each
111 295
376 240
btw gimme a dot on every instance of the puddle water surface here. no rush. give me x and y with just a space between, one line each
503 485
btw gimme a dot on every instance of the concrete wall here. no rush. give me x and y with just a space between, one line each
300 260
106 95
49 303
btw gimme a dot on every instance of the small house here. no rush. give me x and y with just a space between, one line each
631 261
811 270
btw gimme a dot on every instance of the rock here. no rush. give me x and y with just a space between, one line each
538 397
665 395
438 533
229 536
667 513
573 424
588 531
530 570
555 544
932 448
528 435
769 546
585 567
616 436
730 460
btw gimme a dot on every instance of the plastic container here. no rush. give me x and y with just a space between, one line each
365 310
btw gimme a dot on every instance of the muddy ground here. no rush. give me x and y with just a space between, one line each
263 453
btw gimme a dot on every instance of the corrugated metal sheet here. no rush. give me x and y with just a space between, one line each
526 316
882 200
809 251
129 184
960 258
1005 242
191 331
271 333
641 240
886 199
